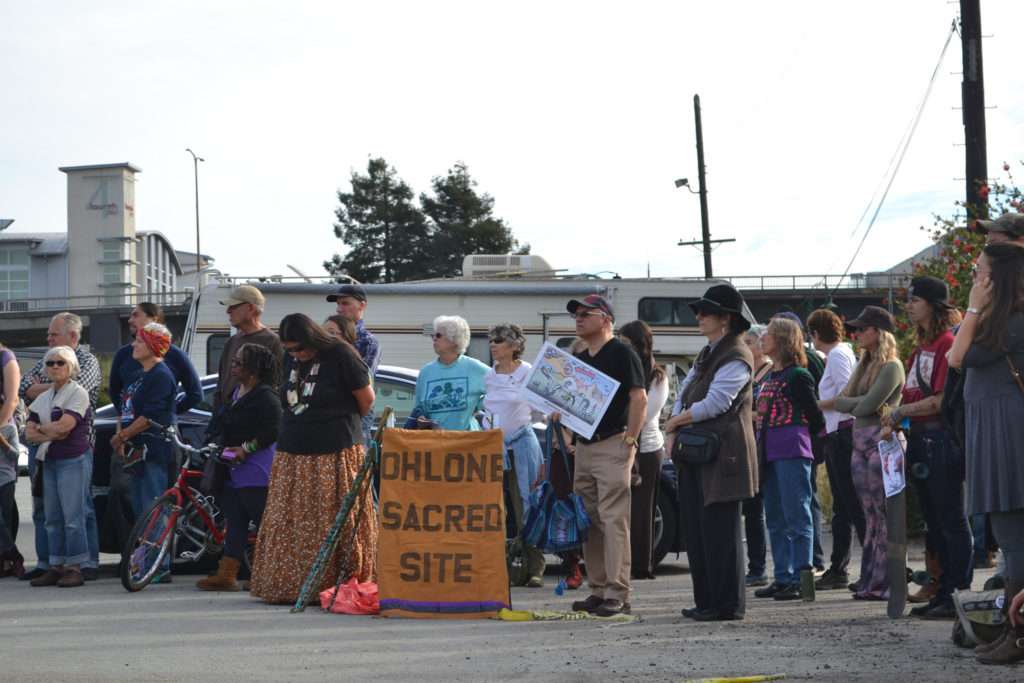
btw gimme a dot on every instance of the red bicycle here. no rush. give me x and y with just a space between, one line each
182 522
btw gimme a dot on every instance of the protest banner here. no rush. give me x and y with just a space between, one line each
560 382
441 552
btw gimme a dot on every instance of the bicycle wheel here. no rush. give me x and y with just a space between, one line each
148 543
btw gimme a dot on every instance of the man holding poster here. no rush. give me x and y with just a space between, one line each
604 461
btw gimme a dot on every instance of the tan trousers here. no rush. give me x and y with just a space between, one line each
602 481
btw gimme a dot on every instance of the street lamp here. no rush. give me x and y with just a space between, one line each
685 182
195 167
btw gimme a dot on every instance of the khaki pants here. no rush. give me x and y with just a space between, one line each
602 481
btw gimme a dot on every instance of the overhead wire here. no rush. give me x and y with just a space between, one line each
905 145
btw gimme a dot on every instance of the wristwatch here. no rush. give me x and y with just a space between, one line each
629 440
973 310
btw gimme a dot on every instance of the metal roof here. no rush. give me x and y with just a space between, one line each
43 243
441 288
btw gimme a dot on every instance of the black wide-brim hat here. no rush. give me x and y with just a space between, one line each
723 299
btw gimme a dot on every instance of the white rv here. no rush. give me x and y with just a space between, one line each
401 314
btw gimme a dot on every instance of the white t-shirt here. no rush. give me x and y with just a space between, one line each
838 367
506 408
651 438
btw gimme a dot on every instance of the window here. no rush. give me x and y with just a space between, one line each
112 251
666 312
14 278
399 396
215 344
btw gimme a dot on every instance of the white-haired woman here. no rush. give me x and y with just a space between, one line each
150 398
58 424
508 411
450 389
874 390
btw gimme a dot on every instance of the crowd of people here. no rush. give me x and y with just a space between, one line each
760 409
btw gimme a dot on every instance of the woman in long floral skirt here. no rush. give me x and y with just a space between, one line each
326 389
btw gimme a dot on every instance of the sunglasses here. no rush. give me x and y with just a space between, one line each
577 316
437 335
56 363
498 340
298 348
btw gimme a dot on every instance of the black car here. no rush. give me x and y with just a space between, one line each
394 386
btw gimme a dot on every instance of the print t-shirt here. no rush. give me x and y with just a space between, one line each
506 407
152 396
621 363
930 362
450 394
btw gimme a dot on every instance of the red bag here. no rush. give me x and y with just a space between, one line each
353 598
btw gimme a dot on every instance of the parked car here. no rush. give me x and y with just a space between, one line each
394 386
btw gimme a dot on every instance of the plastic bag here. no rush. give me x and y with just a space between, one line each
353 598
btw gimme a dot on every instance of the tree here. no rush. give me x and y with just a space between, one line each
386 234
463 223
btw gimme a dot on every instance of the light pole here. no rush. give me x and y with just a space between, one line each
195 167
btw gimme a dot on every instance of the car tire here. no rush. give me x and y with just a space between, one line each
666 526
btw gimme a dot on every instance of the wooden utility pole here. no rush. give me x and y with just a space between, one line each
973 95
705 230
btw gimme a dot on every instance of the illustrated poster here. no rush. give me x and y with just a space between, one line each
894 477
560 382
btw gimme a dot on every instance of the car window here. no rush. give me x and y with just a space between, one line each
399 395
207 402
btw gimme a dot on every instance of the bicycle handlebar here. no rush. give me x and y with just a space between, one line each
170 434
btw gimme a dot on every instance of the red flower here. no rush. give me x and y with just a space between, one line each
1006 166
983 192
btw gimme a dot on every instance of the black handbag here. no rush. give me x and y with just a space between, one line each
696 446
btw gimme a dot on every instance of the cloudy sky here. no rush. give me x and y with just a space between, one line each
575 116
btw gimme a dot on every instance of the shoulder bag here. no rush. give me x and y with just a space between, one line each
552 524
695 445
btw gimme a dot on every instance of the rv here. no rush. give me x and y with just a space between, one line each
401 314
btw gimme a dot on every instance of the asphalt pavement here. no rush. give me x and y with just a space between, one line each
100 632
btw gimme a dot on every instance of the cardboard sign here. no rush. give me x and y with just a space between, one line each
442 525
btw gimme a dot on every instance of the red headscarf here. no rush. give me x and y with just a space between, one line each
157 339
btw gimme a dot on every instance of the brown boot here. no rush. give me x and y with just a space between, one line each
930 589
49 578
1009 650
226 578
72 578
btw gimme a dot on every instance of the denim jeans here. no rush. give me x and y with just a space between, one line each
64 502
787 506
528 458
92 533
937 471
38 517
149 481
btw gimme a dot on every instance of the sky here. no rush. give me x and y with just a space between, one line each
575 116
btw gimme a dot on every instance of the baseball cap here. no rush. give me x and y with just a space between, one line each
1012 223
931 289
244 294
354 291
873 316
595 301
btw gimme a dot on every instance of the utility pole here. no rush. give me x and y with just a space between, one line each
973 95
195 167
702 190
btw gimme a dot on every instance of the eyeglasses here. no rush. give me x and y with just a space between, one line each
498 340
56 363
298 348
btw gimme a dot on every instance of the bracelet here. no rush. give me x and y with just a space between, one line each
971 309
249 447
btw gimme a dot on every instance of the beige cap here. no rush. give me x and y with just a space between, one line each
244 294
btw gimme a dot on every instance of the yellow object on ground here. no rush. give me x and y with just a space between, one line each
739 679
548 615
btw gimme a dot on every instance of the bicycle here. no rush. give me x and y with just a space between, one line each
181 516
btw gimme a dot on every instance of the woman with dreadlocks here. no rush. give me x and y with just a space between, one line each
248 430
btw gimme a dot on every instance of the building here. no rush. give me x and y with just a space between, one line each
100 266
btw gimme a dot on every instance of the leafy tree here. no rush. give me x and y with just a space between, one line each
386 234
463 223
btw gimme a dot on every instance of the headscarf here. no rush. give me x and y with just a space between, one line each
157 338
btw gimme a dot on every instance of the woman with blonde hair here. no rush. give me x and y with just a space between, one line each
874 390
787 415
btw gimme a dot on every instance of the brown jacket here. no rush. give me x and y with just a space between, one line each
733 475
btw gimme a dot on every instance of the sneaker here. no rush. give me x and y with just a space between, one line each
611 607
535 582
754 580
832 580
769 591
790 592
589 605
90 573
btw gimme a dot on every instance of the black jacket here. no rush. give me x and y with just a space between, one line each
256 415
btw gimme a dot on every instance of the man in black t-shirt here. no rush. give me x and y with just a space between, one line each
604 461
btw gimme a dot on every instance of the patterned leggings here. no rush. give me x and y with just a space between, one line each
866 467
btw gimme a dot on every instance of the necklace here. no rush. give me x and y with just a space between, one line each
298 391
